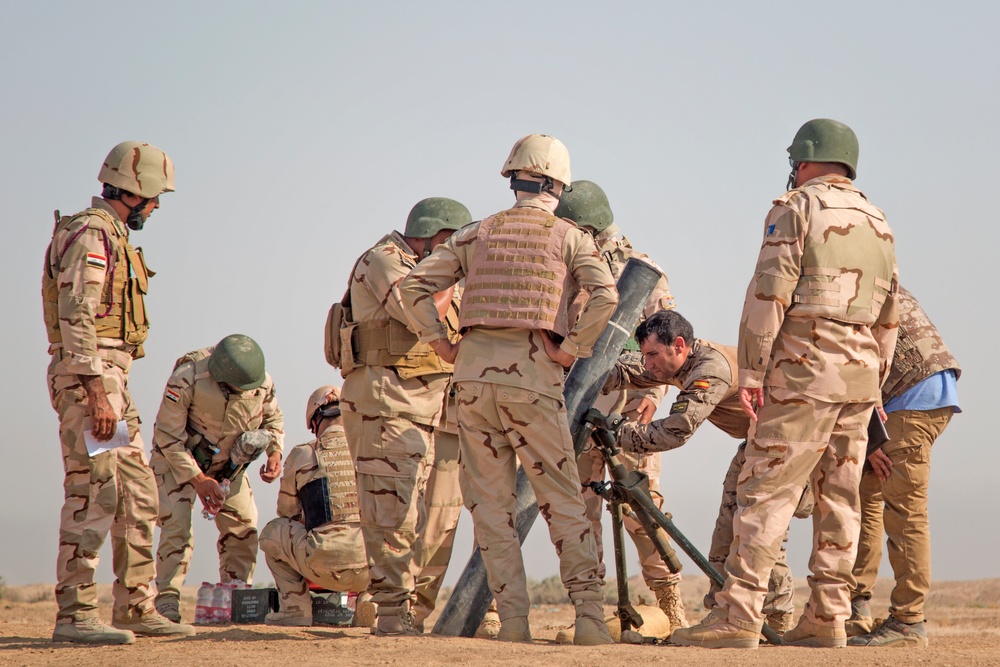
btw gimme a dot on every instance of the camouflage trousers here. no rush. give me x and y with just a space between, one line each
499 426
592 468
899 504
393 459
111 492
797 439
237 524
780 586
296 559
443 500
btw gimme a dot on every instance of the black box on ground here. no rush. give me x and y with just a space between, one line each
331 610
251 605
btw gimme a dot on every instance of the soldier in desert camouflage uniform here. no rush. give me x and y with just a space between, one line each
705 374
920 397
316 537
215 398
521 266
391 400
93 293
818 330
587 205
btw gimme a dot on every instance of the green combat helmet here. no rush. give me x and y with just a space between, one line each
237 360
825 140
429 216
586 205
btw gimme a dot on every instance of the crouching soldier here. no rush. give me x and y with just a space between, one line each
316 537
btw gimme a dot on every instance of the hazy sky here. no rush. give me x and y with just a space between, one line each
304 131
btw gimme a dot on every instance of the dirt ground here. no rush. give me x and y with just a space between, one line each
963 624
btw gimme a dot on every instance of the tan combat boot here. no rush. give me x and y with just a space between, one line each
153 625
91 631
812 634
514 629
780 621
490 627
365 611
591 630
169 608
668 598
861 621
290 617
395 621
715 632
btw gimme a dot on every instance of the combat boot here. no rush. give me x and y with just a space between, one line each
290 617
861 621
514 629
490 627
394 621
591 630
894 632
153 625
364 611
169 608
780 621
812 634
91 631
668 598
715 632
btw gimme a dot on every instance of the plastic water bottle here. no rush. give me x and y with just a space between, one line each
203 604
222 603
224 485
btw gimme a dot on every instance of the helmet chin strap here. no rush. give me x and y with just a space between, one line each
791 177
534 187
134 220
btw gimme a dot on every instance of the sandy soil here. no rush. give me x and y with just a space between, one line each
964 629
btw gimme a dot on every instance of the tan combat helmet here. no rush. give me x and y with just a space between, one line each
324 397
538 154
138 168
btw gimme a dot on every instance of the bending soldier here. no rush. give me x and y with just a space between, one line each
316 537
93 292
521 268
217 399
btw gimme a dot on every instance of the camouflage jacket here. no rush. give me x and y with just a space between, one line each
340 544
378 390
512 357
195 407
820 314
707 391
920 351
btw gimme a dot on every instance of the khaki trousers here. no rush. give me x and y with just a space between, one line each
113 492
899 505
499 426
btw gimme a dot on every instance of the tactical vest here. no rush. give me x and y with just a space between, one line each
336 465
518 278
847 260
122 311
214 414
920 352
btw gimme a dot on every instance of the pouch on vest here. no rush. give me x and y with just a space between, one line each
314 498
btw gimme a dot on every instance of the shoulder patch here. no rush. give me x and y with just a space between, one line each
679 407
701 384
770 229
172 395
97 261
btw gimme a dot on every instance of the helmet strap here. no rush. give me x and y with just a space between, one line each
134 220
534 187
791 177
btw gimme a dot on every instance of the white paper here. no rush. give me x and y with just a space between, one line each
119 439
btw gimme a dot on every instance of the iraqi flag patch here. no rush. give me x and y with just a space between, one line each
97 261
172 395
701 384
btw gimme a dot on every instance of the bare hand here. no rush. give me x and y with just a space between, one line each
271 469
210 492
645 411
881 464
556 353
881 413
445 349
103 419
442 300
750 400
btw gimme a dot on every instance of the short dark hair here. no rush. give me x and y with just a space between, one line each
666 325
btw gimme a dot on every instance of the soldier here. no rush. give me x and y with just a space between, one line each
93 293
217 399
521 267
391 400
920 397
705 374
588 207
818 329
316 537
